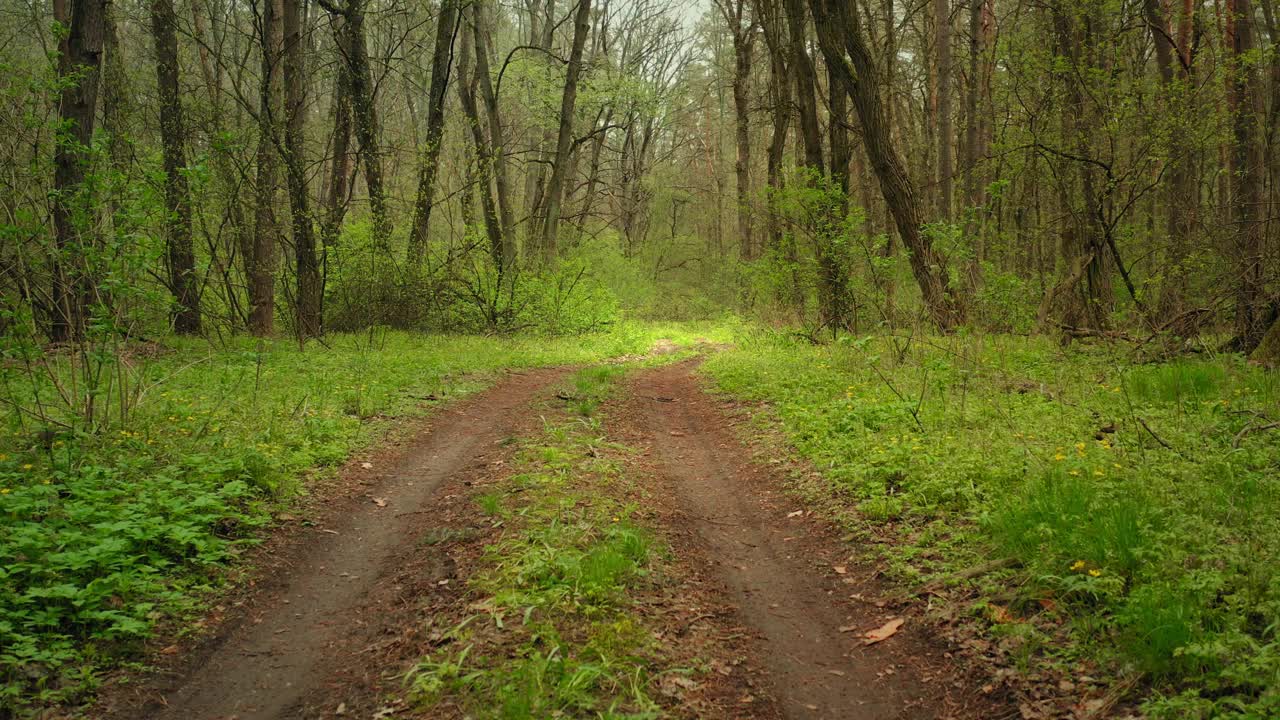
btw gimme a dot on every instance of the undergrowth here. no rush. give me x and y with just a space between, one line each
556 634
1141 503
107 527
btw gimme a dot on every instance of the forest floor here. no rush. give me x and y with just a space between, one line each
595 544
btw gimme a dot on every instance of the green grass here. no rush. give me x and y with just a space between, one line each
1127 494
558 637
107 527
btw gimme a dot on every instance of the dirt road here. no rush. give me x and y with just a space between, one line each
338 585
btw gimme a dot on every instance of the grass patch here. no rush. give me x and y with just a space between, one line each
557 635
108 526
1134 506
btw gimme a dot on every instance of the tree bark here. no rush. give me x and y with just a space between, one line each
945 306
568 101
365 114
467 84
179 247
80 57
262 266
742 32
497 133
441 62
309 291
1247 176
942 40
335 199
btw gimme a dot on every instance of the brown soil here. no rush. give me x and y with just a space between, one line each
272 655
760 590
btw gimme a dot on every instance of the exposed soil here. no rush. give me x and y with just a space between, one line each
759 589
788 575
272 655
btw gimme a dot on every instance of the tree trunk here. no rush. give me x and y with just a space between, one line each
497 133
309 291
365 113
568 100
1247 176
262 267
179 248
942 39
945 306
467 85
743 33
805 78
335 200
780 105
441 62
79 58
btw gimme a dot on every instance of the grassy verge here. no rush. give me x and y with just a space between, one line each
552 629
107 527
1141 503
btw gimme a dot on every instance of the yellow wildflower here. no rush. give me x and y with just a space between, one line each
1095 572
27 466
1077 565
4 491
1059 457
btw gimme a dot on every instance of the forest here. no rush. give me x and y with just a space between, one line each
640 359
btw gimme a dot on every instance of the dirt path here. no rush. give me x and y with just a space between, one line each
779 567
273 659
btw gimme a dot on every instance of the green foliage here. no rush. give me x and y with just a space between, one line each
1127 495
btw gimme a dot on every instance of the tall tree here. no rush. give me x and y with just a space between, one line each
942 105
307 263
480 26
846 53
564 138
1248 174
742 30
79 61
441 63
180 250
266 228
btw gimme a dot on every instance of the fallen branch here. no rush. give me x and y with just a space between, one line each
1159 439
1247 429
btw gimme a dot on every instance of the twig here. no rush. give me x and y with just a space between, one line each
1159 439
1235 443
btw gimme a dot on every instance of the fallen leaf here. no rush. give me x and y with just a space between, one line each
848 628
840 569
342 709
677 433
366 465
171 650
795 514
380 502
1001 614
884 632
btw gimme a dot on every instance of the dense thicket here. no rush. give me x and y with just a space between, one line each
1087 167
